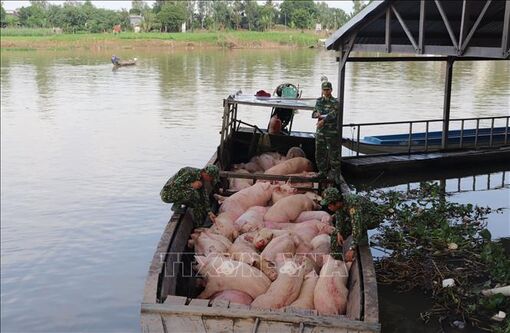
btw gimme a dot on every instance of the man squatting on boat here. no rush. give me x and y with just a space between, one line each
186 187
353 215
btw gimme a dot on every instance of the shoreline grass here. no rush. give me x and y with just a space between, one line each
38 39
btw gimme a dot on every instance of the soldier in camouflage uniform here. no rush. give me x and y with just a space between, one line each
354 215
327 141
186 187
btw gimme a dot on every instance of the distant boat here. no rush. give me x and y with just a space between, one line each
122 63
398 143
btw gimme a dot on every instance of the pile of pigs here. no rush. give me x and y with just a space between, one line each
269 247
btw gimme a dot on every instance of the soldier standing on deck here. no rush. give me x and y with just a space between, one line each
327 141
186 187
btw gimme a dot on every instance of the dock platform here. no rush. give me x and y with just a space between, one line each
396 163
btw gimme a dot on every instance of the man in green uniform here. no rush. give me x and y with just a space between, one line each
354 215
327 141
186 187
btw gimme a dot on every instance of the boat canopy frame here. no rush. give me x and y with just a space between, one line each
439 30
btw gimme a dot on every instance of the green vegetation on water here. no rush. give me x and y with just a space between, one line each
430 239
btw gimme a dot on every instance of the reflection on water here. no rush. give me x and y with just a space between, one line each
85 151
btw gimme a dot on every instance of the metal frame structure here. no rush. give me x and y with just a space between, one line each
449 30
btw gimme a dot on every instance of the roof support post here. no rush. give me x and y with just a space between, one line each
340 94
388 30
506 30
447 99
421 26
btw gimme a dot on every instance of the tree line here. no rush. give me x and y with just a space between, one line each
168 16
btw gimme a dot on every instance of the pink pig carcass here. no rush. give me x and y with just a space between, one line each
314 215
251 220
243 250
282 191
305 298
239 202
224 274
237 184
234 296
284 290
290 166
209 242
330 294
223 224
288 208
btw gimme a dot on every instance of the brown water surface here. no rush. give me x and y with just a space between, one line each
85 151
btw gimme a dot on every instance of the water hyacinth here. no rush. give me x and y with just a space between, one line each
430 240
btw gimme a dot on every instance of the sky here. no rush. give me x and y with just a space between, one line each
346 5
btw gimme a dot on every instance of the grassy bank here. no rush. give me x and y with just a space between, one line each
39 39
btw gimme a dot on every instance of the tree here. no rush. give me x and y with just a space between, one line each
268 14
137 7
172 15
252 14
330 18
3 16
237 13
73 17
222 14
301 18
190 10
305 8
33 16
204 10
358 6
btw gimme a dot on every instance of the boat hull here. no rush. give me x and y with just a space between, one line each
171 289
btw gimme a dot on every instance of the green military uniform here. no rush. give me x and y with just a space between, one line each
327 141
357 215
179 191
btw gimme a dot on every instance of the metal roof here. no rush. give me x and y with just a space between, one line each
460 28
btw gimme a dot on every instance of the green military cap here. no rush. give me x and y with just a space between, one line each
330 195
213 171
326 85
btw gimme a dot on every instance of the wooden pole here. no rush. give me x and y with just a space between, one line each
447 99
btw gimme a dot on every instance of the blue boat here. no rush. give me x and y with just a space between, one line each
461 139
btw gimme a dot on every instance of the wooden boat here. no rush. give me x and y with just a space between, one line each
122 63
399 143
170 303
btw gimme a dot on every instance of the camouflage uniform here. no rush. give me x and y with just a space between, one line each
178 190
327 141
357 215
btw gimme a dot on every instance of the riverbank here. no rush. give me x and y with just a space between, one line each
12 40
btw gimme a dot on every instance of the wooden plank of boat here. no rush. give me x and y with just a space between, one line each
152 323
341 323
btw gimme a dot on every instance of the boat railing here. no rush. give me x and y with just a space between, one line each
416 126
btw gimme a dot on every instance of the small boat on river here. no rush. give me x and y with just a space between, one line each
431 141
170 302
123 63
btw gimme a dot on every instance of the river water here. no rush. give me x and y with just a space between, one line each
85 151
